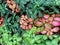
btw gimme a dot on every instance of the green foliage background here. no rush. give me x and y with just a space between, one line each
29 38
8 38
31 8
38 7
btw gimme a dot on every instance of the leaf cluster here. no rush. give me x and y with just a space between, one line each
8 38
32 8
29 38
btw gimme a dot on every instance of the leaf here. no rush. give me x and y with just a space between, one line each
50 37
48 43
1 9
32 30
45 37
9 19
40 14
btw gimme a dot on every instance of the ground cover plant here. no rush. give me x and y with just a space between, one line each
8 38
29 22
29 38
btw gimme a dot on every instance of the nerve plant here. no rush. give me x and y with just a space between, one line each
45 25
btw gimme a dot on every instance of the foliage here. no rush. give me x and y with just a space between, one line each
10 31
8 38
37 7
31 8
11 20
45 25
29 38
26 22
12 23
